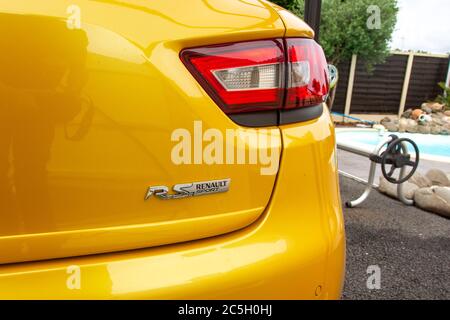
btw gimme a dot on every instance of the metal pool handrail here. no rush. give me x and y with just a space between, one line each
372 170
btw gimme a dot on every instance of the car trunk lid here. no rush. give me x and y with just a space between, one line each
91 119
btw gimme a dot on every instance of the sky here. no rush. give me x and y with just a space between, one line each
423 25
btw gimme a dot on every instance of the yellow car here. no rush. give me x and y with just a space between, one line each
170 149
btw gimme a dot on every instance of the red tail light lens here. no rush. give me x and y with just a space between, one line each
240 77
250 76
308 83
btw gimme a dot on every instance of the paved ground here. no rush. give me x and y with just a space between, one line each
411 247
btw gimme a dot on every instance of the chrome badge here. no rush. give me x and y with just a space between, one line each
185 190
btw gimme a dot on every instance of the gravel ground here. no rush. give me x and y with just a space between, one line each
411 247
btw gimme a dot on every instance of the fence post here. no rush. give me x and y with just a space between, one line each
351 80
312 15
447 81
409 66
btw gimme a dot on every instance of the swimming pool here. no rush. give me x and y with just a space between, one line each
431 147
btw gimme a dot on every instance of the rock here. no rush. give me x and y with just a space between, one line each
391 189
437 107
411 129
447 113
434 199
437 120
434 106
438 115
424 129
407 114
379 127
420 180
402 125
445 130
385 120
435 129
409 189
438 178
411 126
416 114
425 108
391 126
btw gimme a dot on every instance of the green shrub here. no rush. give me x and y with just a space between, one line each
344 30
445 98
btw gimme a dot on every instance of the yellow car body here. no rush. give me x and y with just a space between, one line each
82 138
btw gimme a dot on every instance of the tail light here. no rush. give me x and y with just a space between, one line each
240 77
308 74
261 75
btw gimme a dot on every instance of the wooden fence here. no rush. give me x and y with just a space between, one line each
405 80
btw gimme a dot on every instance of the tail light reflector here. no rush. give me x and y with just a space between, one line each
240 77
308 74
261 75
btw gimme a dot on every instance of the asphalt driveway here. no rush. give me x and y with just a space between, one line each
410 246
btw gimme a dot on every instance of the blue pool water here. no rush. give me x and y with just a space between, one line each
433 145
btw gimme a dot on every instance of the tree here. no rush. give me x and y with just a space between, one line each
362 27
296 6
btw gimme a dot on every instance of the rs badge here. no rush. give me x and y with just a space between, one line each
185 190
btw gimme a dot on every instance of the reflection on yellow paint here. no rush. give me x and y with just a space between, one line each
161 272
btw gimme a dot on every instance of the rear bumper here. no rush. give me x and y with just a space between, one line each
295 251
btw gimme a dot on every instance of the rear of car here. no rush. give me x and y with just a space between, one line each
163 150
